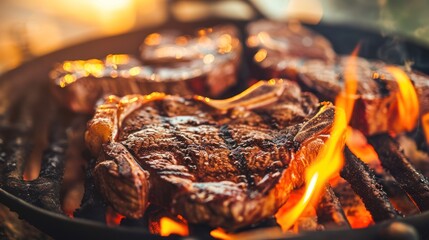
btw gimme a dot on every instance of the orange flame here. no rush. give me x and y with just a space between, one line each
425 123
358 216
219 233
359 145
113 218
330 159
328 163
407 102
169 226
346 98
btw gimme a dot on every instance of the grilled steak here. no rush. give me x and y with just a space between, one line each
211 56
376 101
280 48
308 58
227 168
206 63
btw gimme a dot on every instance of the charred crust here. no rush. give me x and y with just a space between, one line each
236 156
122 181
208 165
268 119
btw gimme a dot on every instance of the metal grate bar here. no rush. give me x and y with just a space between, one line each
394 160
363 183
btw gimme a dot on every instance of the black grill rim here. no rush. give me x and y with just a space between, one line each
62 227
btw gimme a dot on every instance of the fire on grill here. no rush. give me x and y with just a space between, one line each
319 146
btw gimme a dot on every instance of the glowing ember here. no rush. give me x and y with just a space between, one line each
359 145
330 159
169 226
356 213
358 216
219 233
113 218
407 102
425 123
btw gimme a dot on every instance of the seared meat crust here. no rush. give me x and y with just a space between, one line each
226 168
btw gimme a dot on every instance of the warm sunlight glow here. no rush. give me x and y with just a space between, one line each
310 11
330 159
407 102
116 14
169 226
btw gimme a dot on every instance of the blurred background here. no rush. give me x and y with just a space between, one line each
30 28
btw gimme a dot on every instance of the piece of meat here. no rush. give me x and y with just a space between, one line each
211 55
79 84
206 63
376 101
280 48
283 50
227 168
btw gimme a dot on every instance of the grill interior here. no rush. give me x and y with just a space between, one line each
44 164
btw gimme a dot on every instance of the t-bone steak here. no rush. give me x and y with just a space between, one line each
222 167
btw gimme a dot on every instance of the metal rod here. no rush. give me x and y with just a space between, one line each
54 156
393 159
363 183
45 190
15 133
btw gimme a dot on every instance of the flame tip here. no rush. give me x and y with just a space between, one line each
169 226
329 159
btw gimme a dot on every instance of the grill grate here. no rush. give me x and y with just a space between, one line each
394 160
45 191
363 182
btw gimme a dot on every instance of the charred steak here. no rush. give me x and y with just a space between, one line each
280 48
170 62
226 168
376 101
292 51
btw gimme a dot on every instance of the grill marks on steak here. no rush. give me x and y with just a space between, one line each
327 78
212 151
237 155
317 68
191 140
371 97
286 46
223 168
376 102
